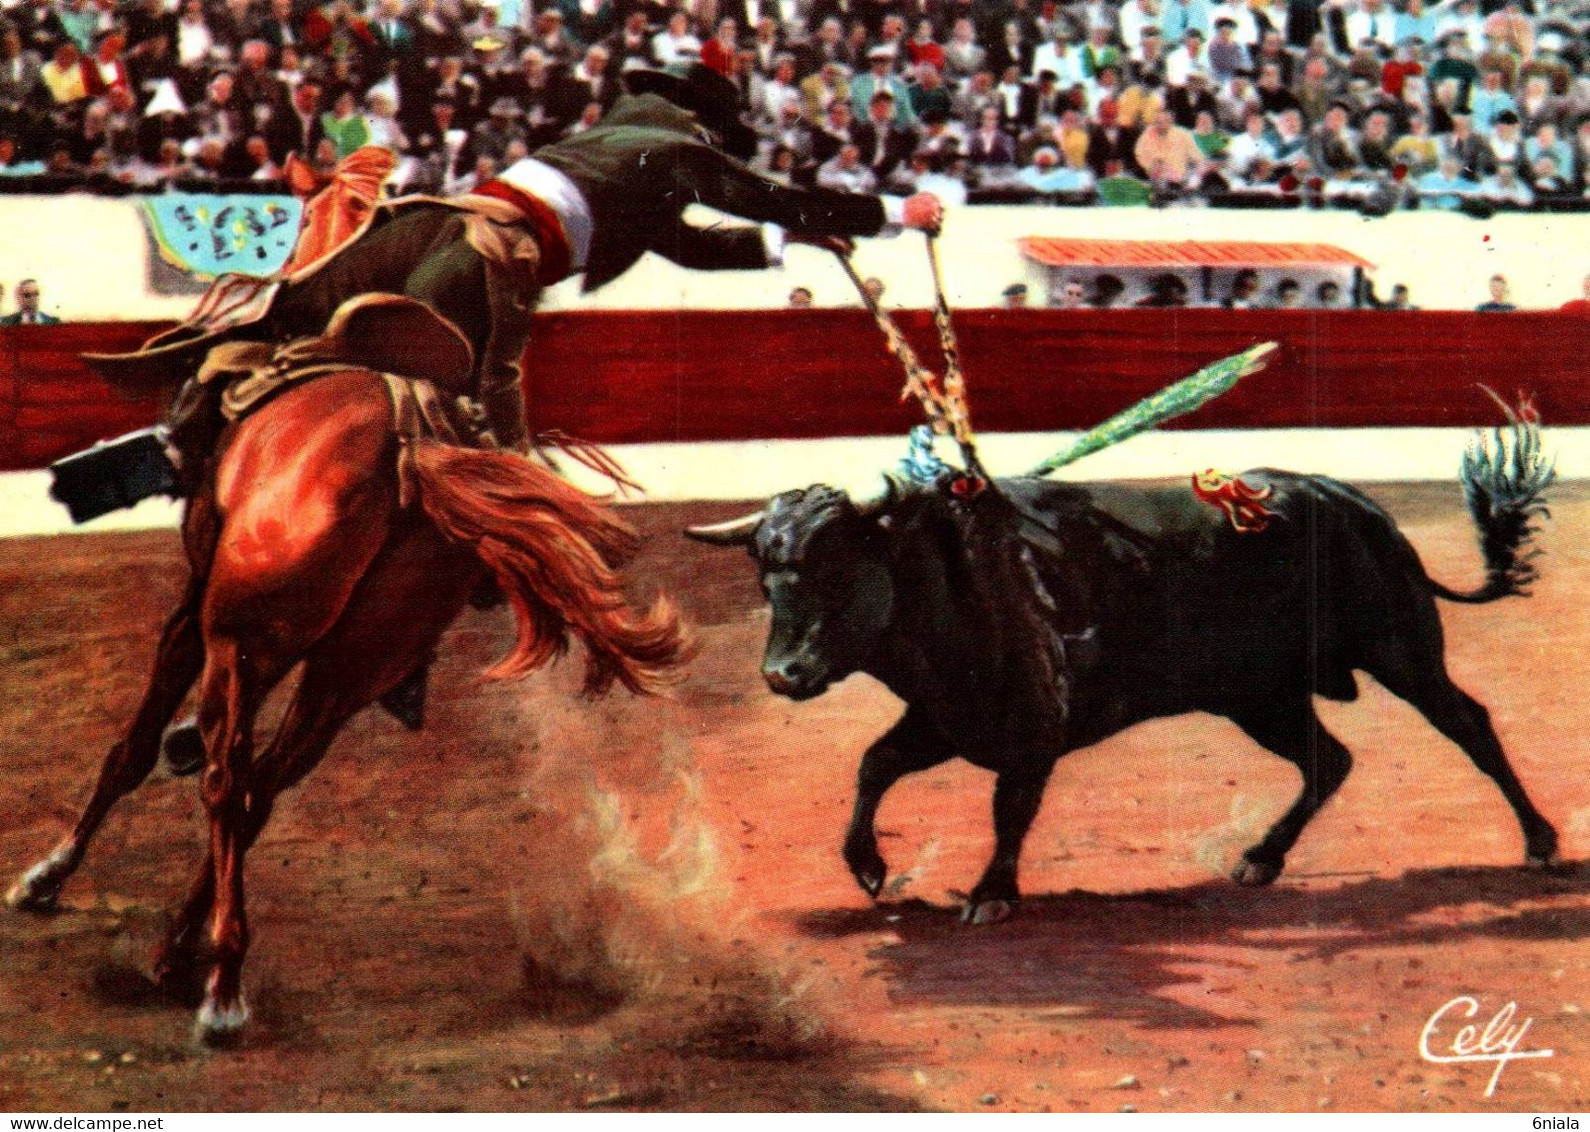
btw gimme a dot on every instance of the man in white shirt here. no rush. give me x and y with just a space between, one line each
1060 56
1190 56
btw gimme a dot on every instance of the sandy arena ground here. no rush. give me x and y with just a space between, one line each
538 903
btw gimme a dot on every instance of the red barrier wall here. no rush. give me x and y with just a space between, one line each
625 377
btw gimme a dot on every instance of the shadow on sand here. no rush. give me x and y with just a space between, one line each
1114 956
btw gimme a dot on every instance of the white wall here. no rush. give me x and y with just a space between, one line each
93 257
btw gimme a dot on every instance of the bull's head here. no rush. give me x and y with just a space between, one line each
824 559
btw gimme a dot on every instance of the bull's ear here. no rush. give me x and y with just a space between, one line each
735 532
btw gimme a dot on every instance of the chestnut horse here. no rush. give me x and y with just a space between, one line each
303 552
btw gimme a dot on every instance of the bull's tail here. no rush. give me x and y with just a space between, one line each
555 552
1505 477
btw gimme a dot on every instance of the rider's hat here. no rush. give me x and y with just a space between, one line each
713 99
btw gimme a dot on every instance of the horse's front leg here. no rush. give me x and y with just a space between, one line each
177 662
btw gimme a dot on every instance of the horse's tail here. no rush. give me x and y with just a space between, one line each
1505 481
555 552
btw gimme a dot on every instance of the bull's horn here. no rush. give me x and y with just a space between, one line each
732 533
876 495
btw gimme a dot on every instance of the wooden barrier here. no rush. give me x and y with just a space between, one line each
649 376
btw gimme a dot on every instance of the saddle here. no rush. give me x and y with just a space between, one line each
421 356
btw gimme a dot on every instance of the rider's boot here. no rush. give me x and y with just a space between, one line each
193 427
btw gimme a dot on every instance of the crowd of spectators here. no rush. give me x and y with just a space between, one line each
1381 103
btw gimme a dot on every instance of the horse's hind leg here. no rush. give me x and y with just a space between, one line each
366 654
1294 732
177 663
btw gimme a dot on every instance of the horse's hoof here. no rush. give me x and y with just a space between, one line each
220 1027
183 748
1255 874
980 913
37 891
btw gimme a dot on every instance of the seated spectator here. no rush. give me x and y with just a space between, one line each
10 166
1447 187
1546 143
1227 57
1168 153
1185 103
63 77
845 172
1376 142
820 91
1211 140
1499 301
1546 180
257 158
1244 291
1471 151
1014 297
1107 291
344 126
1288 142
880 78
1119 189
1109 141
28 312
990 145
883 143
1581 305
928 94
928 172
1328 296
800 298
1416 150
1047 174
1165 290
1506 141
1249 148
1503 188
1490 100
1401 299
1288 295
1538 107
1332 147
1068 296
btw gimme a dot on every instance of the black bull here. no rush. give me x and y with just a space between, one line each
1038 618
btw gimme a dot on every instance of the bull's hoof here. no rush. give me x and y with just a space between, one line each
870 872
981 913
38 890
183 748
1255 874
220 1027
1547 862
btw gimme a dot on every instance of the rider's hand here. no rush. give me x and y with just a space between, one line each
924 211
